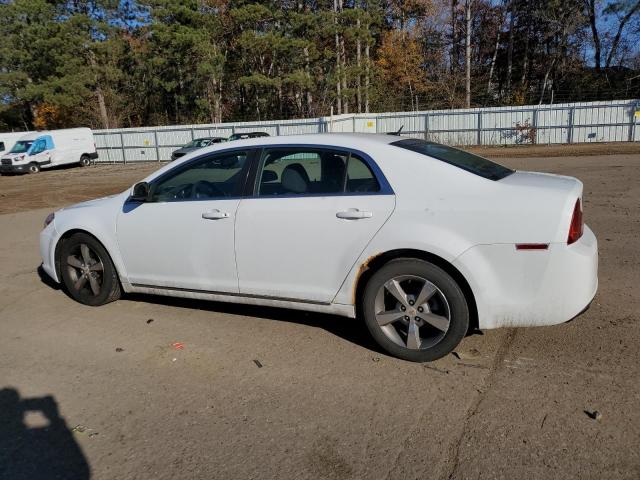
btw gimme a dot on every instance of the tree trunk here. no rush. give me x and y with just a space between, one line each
454 44
358 63
343 70
102 107
597 48
494 57
307 71
546 78
616 39
337 38
467 55
510 48
525 61
366 77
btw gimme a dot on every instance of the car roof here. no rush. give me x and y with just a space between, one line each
349 140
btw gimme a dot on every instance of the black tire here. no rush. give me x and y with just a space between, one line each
99 270
34 167
85 161
447 301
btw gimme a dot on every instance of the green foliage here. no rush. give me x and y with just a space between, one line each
113 63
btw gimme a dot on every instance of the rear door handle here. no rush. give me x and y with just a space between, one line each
215 215
354 214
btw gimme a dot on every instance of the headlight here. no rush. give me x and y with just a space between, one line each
49 219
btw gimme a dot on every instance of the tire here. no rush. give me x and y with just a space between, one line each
412 329
85 161
87 271
34 168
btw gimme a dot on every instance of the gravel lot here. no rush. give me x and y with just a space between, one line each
265 393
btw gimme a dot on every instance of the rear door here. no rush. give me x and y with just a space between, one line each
313 212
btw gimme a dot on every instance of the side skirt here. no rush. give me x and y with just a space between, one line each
330 308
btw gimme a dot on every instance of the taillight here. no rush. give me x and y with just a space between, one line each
575 229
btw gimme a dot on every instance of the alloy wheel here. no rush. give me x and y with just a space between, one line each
412 312
85 269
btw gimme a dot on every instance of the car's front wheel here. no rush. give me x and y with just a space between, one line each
87 271
415 310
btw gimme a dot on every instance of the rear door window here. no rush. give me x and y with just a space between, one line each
313 171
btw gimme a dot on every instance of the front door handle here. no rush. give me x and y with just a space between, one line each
215 215
354 214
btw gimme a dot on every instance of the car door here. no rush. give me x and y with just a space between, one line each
40 153
313 212
184 236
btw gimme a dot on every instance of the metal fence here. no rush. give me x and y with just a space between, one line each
608 121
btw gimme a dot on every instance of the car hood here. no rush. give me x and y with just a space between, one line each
96 202
13 155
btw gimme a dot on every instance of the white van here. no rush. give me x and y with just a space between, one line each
8 140
37 150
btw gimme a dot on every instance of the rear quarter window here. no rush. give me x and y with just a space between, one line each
459 158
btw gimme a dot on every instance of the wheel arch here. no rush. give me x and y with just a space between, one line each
67 234
373 264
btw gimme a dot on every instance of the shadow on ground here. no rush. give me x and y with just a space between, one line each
351 329
35 441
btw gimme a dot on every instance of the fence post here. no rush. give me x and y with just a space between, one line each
124 156
193 135
353 124
534 126
155 141
426 126
570 129
480 128
277 129
632 126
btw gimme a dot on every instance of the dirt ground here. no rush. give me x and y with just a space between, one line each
266 393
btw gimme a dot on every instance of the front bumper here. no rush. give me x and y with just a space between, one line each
14 168
48 238
518 288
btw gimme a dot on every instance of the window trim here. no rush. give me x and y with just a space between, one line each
385 187
254 156
250 153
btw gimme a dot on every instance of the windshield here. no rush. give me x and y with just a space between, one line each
21 146
458 158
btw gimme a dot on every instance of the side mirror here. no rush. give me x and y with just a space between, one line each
140 192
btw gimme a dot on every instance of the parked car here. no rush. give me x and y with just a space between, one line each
46 149
9 139
423 241
195 145
246 135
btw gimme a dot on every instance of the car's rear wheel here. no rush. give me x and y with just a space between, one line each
85 160
415 310
87 271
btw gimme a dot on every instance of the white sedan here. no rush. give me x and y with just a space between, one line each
423 241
